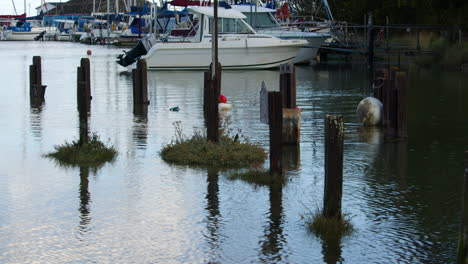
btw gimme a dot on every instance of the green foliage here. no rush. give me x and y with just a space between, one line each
229 152
452 57
329 227
450 12
94 153
455 56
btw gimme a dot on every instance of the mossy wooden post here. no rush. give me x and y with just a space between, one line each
212 89
84 97
401 85
291 115
36 89
334 132
462 251
275 120
140 83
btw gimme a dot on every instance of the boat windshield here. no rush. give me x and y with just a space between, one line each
261 20
231 26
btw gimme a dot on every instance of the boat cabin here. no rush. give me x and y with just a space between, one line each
230 22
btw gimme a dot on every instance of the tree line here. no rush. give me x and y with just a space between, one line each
443 12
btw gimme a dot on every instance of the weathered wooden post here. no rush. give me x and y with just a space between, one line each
291 115
334 133
370 40
36 89
462 251
379 81
212 89
401 85
460 36
418 46
389 105
288 85
84 86
140 83
275 120
212 85
84 98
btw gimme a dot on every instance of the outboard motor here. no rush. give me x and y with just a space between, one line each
40 36
141 48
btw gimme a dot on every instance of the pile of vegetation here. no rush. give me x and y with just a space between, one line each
230 152
92 153
322 226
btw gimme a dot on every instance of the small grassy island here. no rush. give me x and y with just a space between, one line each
92 153
322 226
229 152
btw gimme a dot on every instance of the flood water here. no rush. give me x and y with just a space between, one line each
404 199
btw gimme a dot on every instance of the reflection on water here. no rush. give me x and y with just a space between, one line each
404 197
140 124
36 119
274 240
213 216
85 199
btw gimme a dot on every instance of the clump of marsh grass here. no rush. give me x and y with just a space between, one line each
258 176
322 226
229 152
93 153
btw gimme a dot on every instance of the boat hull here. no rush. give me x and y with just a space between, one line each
24 36
234 53
306 53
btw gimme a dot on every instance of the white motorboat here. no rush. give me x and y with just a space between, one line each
24 30
239 46
264 22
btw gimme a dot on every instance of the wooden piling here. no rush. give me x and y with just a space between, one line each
84 86
275 121
36 89
401 84
390 105
462 251
379 80
212 89
84 98
370 41
334 133
288 85
291 115
418 46
140 83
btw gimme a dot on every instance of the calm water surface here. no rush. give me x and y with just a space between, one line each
404 198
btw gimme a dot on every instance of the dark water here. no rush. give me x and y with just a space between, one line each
404 198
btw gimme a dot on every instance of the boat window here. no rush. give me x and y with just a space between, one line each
230 25
261 19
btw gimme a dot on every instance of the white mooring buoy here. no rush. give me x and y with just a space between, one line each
369 111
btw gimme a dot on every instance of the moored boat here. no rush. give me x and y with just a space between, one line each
264 22
239 46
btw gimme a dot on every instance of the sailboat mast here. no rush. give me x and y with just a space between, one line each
94 6
25 6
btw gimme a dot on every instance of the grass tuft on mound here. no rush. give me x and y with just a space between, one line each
94 153
229 152
329 227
